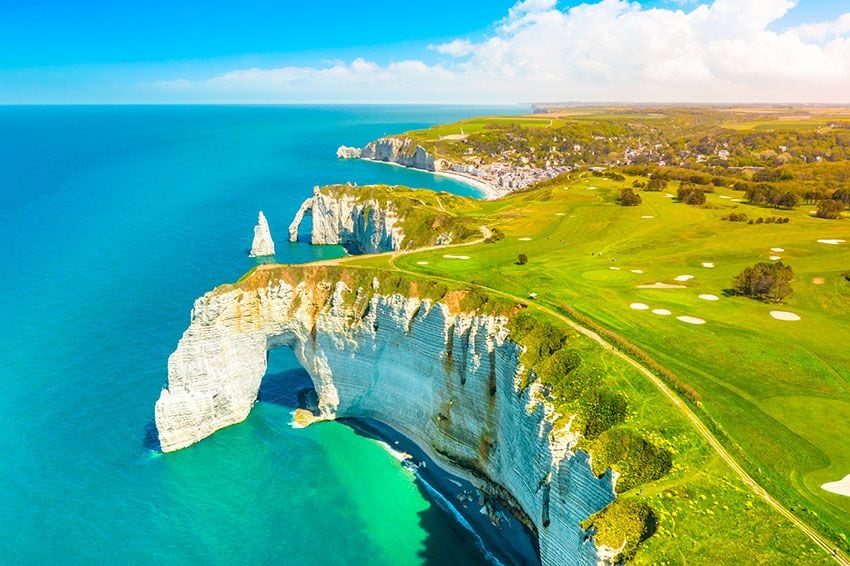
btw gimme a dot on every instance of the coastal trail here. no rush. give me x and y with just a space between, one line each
678 402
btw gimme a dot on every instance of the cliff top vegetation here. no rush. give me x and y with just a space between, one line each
764 385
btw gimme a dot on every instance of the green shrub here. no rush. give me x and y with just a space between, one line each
769 281
540 338
689 194
636 459
602 409
521 259
495 236
558 371
656 184
623 521
629 197
736 217
829 208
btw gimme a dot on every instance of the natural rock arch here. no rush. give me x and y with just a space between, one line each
446 380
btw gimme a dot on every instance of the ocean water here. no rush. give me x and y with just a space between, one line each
112 221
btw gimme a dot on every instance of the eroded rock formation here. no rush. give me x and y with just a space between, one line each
402 151
448 380
367 226
263 245
345 152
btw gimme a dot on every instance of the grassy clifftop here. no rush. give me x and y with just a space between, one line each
424 215
772 389
672 486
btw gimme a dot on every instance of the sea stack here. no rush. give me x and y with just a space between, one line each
263 244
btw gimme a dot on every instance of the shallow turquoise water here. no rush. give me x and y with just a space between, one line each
112 221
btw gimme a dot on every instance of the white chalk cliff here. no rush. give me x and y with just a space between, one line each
500 178
402 151
367 226
263 245
448 380
345 152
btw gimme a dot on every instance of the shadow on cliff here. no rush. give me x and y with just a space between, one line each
291 388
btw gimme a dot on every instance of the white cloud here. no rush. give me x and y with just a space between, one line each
822 30
456 48
610 50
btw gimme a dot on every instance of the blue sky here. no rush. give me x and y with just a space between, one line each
178 51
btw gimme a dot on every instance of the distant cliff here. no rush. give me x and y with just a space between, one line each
447 376
380 218
402 151
498 178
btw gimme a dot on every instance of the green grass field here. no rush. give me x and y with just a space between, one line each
777 391
476 125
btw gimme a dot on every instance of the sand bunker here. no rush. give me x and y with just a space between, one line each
591 188
724 197
707 264
784 315
637 270
668 195
560 214
737 200
456 256
639 306
690 319
708 297
831 242
421 263
777 250
660 285
525 239
684 277
661 312
647 217
818 280
614 268
841 487
775 258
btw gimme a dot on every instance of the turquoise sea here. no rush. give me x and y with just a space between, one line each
112 221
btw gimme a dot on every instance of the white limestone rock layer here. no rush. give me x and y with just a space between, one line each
345 152
263 245
367 226
402 151
447 381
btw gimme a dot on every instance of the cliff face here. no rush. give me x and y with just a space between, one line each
448 381
498 178
367 226
399 150
263 245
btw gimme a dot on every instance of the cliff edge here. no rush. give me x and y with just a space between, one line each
447 376
381 218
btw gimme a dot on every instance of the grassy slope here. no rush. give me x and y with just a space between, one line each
779 390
